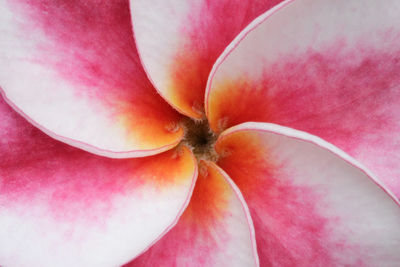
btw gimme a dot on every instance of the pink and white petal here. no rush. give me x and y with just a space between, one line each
311 204
215 230
72 69
330 68
61 205
179 41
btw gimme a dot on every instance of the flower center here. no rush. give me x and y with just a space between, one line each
201 139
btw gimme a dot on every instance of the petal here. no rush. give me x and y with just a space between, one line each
215 230
62 205
312 204
72 69
330 68
179 42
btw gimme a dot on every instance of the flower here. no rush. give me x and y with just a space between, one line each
97 169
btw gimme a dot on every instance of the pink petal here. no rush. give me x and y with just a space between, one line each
330 68
312 204
215 229
63 206
72 69
179 42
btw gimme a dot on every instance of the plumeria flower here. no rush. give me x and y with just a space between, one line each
199 133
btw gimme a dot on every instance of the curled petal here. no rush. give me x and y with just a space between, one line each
330 68
179 42
215 230
64 206
72 69
311 204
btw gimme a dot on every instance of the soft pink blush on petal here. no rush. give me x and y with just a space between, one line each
179 42
61 204
310 206
339 84
71 68
215 229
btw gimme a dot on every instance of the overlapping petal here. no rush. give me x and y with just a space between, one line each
72 69
179 41
215 229
311 204
330 68
63 206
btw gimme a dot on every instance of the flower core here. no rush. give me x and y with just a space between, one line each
201 139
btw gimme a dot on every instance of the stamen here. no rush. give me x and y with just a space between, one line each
198 109
222 124
172 127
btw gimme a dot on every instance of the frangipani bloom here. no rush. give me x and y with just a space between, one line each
107 157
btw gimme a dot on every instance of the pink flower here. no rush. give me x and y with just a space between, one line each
107 157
